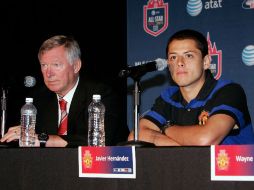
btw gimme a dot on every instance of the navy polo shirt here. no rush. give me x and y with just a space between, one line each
222 96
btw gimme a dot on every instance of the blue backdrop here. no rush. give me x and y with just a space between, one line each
227 24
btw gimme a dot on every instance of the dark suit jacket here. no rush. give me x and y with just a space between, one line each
47 113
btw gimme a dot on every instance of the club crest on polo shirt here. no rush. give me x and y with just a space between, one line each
155 17
203 117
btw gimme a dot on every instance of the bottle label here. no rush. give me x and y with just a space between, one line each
96 132
27 136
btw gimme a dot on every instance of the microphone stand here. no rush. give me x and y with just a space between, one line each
3 120
3 106
136 96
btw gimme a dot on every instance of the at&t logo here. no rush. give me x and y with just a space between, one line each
194 7
248 55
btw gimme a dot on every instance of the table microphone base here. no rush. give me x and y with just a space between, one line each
136 143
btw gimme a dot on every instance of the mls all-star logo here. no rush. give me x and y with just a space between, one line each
155 17
216 58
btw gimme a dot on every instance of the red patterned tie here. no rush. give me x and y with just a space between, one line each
62 130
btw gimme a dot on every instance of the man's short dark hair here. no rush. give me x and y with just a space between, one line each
199 38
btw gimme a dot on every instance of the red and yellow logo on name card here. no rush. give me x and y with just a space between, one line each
222 160
87 159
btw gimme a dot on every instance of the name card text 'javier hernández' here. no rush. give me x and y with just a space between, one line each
107 162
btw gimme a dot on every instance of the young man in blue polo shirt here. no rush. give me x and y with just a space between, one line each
198 110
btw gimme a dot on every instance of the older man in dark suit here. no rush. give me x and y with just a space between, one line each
60 60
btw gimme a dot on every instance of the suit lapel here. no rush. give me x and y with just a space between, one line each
53 112
77 105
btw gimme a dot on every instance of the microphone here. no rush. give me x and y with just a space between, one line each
11 82
29 81
138 71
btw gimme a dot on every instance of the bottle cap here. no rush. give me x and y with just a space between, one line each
96 97
29 100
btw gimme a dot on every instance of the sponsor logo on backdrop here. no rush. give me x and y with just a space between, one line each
213 4
155 15
248 4
222 160
194 7
248 55
216 58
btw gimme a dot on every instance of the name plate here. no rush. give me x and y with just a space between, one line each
107 162
232 162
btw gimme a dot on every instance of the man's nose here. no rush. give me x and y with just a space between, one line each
49 72
180 61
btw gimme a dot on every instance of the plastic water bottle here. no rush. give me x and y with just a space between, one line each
96 131
28 121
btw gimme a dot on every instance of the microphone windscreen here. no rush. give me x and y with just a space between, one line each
29 81
161 64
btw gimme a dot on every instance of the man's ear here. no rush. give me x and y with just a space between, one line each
77 66
206 62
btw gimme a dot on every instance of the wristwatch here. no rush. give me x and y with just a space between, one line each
167 125
43 138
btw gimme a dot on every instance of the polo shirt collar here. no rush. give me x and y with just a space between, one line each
206 89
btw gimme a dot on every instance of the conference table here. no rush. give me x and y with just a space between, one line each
156 168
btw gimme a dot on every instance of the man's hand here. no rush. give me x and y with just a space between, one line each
149 132
13 134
